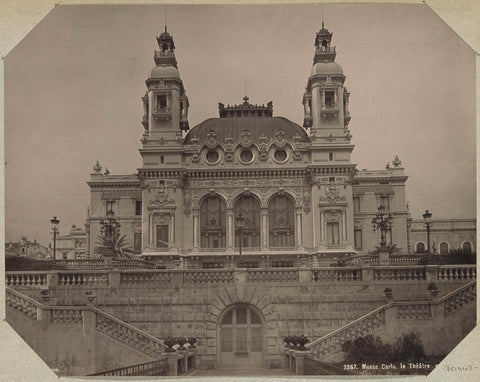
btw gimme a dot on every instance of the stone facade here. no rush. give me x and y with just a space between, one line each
72 246
445 235
298 194
25 247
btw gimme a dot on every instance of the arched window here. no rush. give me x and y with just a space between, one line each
281 222
420 248
249 208
212 223
467 247
443 248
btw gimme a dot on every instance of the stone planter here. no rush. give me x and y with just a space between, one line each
46 294
388 294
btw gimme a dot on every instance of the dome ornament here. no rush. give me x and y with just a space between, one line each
245 109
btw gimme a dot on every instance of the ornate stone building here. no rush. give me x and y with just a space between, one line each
247 189
249 181
71 246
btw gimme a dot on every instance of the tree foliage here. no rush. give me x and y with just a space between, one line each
367 349
112 248
390 248
370 349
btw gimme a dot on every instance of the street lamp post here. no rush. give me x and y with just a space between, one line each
240 221
382 222
427 218
110 228
55 222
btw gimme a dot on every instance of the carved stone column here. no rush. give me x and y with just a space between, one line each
264 228
150 229
344 225
195 228
322 223
299 227
230 238
171 231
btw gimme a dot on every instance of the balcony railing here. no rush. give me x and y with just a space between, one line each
67 279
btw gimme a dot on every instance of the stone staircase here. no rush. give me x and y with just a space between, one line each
396 318
61 331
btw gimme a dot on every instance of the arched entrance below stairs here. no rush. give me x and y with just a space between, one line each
241 337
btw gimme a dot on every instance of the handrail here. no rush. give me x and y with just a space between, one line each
350 324
128 326
388 306
99 312
141 369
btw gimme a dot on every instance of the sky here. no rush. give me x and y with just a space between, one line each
73 90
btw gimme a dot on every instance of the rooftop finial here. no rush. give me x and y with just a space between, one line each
323 25
165 18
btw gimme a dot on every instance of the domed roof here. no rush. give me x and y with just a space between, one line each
256 126
164 72
327 68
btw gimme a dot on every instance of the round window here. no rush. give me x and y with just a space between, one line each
212 156
280 155
246 156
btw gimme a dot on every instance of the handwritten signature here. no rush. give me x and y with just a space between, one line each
455 368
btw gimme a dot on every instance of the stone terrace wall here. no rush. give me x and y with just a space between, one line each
291 301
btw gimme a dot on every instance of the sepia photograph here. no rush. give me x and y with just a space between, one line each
206 191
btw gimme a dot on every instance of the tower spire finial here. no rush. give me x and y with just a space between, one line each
165 18
323 24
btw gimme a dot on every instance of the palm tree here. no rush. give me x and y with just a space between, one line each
111 247
390 248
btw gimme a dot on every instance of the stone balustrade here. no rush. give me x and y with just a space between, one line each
128 334
26 278
145 277
23 304
155 368
208 276
400 273
362 259
457 299
332 342
66 315
401 310
406 259
269 275
85 278
132 263
414 311
366 274
81 264
337 274
457 272
104 322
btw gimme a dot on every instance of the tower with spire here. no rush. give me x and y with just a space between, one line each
326 99
165 120
326 116
165 101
